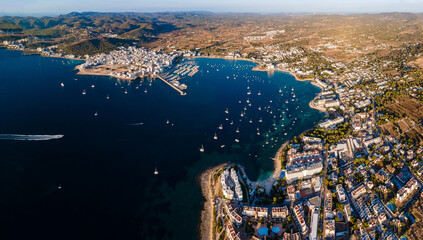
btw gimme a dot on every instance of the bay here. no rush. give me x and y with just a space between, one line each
97 181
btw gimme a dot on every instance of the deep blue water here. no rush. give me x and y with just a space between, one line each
104 164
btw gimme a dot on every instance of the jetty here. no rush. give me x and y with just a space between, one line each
173 86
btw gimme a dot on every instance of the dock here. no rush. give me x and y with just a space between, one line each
174 87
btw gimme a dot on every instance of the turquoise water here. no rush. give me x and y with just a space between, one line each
104 163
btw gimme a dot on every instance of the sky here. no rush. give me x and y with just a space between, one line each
54 7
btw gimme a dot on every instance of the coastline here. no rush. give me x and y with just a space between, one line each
206 221
206 228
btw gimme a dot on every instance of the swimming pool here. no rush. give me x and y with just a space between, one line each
263 231
275 229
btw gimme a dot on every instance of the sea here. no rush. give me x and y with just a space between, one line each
81 166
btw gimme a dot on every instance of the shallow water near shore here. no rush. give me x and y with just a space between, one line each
97 181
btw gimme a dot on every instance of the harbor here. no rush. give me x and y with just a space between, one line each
179 72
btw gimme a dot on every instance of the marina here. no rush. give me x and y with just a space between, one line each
174 76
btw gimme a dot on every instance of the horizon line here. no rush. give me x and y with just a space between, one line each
51 14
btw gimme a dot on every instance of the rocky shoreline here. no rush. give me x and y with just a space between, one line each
206 219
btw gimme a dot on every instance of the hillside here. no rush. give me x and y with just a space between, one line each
94 46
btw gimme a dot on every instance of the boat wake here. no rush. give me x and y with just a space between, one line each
21 137
136 124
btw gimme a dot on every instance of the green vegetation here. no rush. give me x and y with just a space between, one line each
94 46
331 136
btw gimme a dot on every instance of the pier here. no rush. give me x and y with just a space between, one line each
174 87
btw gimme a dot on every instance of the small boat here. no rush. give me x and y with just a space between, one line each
248 100
249 92
126 91
260 120
232 122
59 187
95 114
201 148
222 146
236 140
259 93
237 130
251 120
226 111
156 172
107 97
92 86
145 90
167 121
220 127
259 108
242 114
61 84
215 137
84 92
